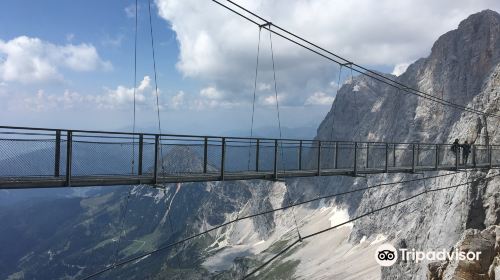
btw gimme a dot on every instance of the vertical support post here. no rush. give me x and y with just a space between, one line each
223 159
57 159
336 155
141 153
69 156
414 158
257 152
155 166
436 162
367 155
418 155
205 154
386 158
355 158
275 168
394 155
457 156
489 156
319 158
474 163
300 155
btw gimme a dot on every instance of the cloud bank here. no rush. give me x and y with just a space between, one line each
30 60
219 48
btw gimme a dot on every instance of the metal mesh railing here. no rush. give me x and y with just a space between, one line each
27 157
26 153
91 158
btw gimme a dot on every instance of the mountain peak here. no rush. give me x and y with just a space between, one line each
478 31
484 17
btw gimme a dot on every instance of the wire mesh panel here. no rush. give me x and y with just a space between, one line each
345 157
310 155
266 156
214 155
328 150
240 156
287 156
27 156
426 155
403 155
392 155
495 155
361 155
148 156
180 155
447 157
376 155
482 155
91 158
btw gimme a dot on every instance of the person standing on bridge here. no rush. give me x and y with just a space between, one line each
455 148
465 152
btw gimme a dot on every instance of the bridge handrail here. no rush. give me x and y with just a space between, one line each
201 137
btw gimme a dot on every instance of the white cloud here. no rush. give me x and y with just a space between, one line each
30 60
145 84
319 98
400 68
123 95
271 99
219 47
177 101
118 98
210 93
263 86
44 102
210 98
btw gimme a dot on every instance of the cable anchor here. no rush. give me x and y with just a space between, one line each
266 24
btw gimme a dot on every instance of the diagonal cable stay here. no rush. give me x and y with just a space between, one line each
269 261
329 55
167 246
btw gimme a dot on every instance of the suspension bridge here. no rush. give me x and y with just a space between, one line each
42 157
47 158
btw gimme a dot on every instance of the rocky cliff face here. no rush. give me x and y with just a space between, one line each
463 67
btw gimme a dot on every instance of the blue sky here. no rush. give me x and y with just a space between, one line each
104 24
69 64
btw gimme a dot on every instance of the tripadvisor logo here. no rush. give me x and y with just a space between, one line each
387 255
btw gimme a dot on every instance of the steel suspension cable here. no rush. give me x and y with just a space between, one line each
167 246
355 107
121 225
335 103
135 89
124 212
359 217
354 66
158 110
171 225
156 84
283 159
254 95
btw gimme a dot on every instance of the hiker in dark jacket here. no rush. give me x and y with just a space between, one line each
455 148
465 152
